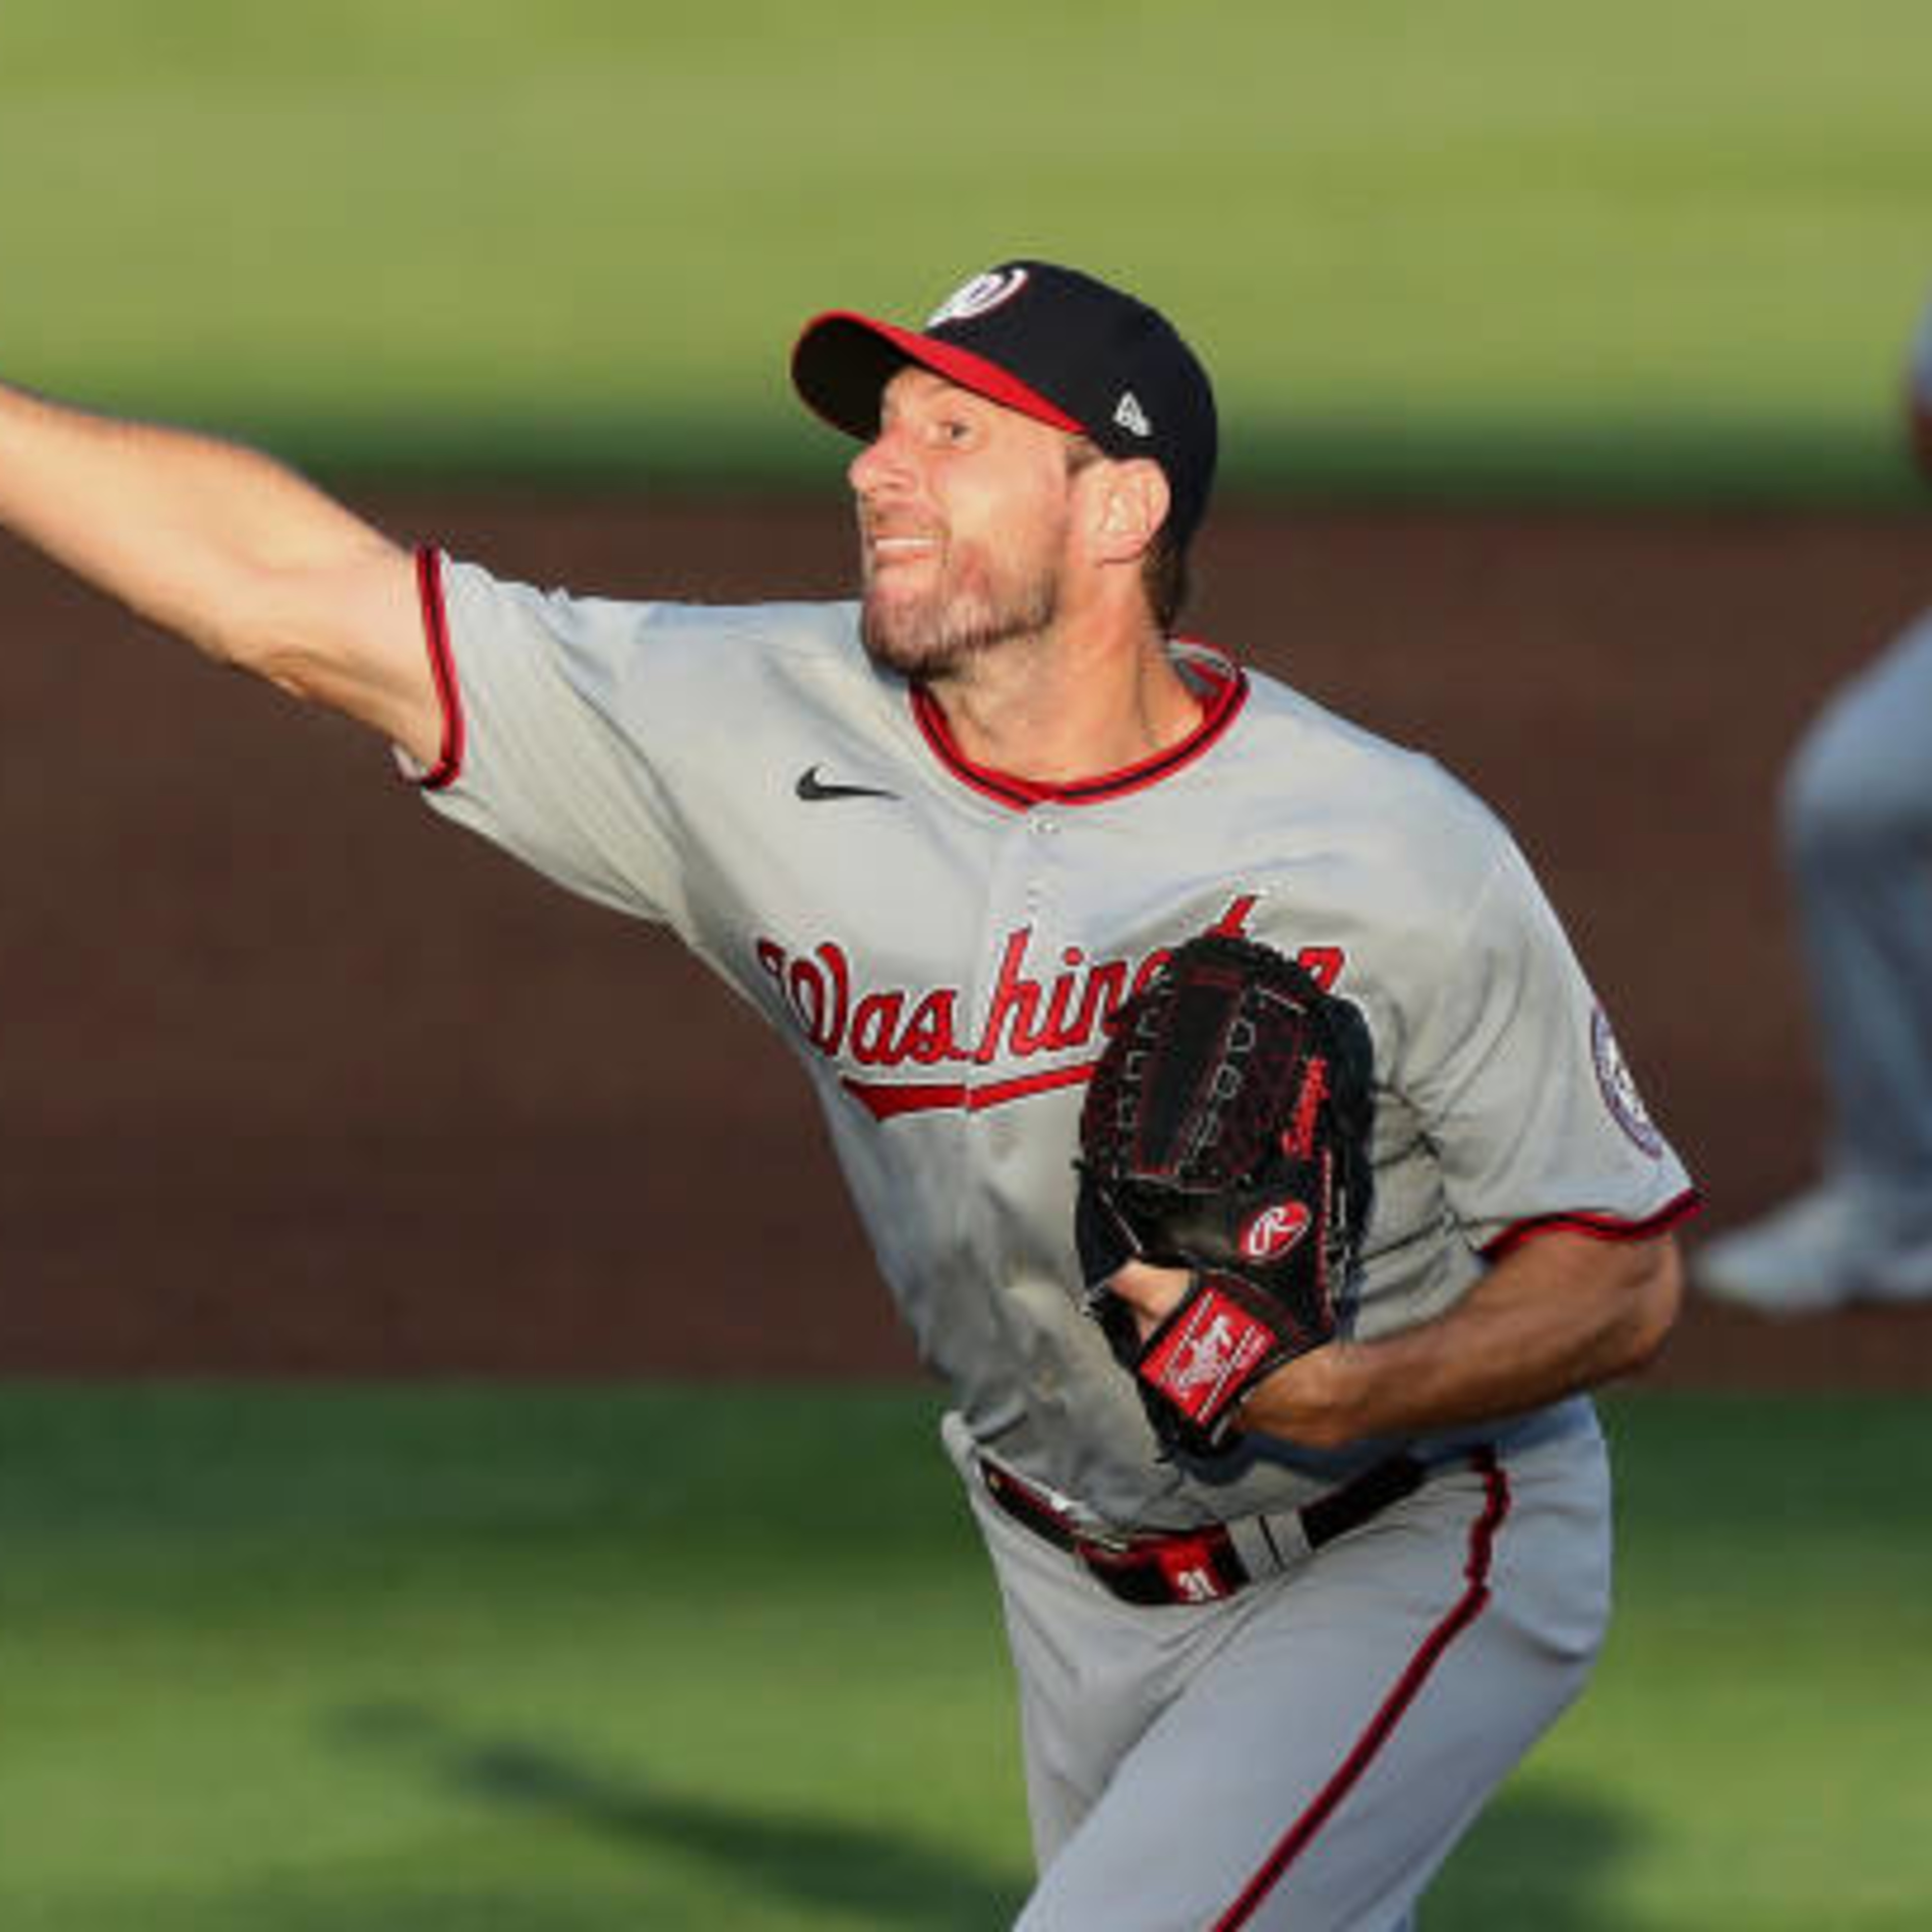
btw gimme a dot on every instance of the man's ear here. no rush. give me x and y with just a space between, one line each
1131 502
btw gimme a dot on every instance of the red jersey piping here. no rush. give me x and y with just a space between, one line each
1597 1227
883 1099
442 668
1227 690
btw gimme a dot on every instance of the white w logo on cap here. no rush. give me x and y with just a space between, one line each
1131 417
982 293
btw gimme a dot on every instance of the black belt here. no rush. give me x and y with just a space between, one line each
1197 1566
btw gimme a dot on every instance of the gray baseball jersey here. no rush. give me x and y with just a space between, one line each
941 945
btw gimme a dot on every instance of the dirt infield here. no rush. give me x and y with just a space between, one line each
295 1080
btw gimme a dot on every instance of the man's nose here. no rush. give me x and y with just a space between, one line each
880 468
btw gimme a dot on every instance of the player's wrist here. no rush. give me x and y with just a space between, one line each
1317 1399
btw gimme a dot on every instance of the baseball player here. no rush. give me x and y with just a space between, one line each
940 835
1857 826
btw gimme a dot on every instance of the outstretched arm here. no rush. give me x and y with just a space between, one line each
231 550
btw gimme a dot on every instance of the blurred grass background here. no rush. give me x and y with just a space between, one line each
1668 249
662 1657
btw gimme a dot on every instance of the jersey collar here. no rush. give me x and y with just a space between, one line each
1220 688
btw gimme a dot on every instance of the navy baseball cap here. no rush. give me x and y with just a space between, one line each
1050 342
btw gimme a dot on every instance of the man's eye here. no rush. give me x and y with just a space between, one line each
955 430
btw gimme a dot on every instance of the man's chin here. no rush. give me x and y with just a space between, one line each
903 639
920 637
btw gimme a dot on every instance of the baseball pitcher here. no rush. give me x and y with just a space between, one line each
1234 1126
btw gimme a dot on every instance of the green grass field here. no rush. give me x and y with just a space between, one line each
1671 247
284 1660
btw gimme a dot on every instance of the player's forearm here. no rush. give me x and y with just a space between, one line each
189 531
1562 1313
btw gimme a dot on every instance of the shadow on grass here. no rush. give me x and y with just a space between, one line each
819 1862
1544 1857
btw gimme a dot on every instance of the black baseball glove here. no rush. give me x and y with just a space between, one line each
1226 1132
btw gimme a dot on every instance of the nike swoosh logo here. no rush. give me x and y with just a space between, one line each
814 790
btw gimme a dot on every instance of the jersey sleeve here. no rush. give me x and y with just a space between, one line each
1520 1085
537 758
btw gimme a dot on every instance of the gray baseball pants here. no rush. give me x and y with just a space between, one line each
1305 1753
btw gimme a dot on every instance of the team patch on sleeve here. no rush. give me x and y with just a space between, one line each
1618 1087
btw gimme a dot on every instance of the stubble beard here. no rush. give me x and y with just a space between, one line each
939 634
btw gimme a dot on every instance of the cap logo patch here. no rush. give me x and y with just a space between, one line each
984 292
1131 417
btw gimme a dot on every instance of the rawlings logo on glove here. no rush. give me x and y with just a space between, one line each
1274 1231
1226 1132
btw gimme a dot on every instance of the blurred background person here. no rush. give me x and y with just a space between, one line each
1856 823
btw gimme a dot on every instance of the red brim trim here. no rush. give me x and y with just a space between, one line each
837 367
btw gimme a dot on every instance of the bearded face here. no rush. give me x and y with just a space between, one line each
935 597
964 511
